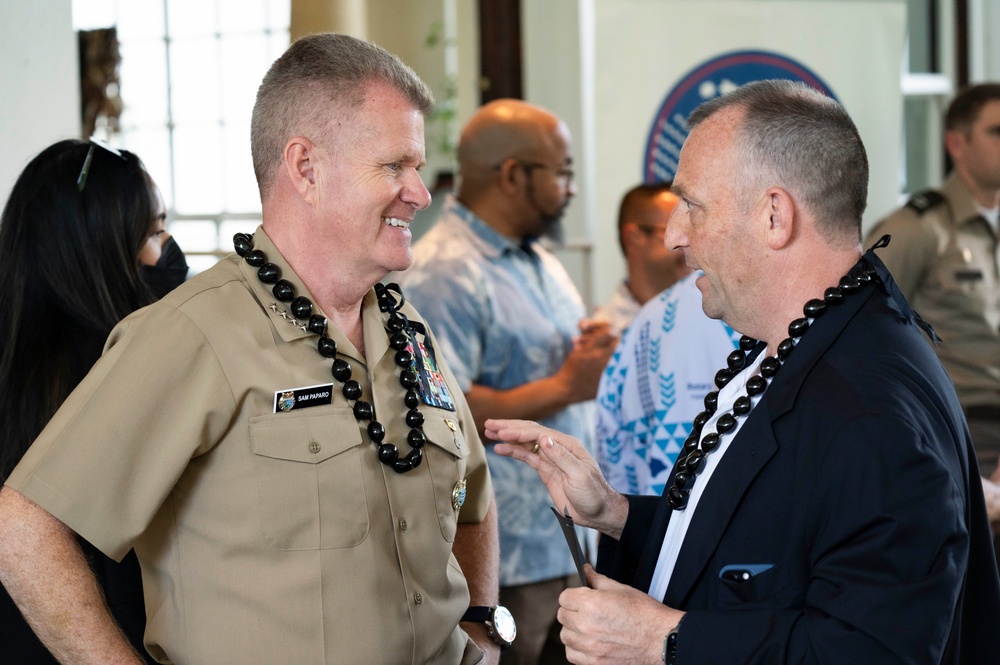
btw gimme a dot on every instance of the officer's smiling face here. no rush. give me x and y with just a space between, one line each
369 184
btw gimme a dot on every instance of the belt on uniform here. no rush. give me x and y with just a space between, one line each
983 411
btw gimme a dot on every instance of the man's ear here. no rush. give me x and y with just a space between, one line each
631 234
508 176
299 161
780 215
954 143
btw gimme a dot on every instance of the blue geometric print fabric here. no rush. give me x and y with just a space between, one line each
655 385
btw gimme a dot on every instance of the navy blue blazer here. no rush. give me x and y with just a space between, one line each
852 493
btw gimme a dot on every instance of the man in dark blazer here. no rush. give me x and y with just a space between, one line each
826 508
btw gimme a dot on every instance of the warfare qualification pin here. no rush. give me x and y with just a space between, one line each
458 494
286 401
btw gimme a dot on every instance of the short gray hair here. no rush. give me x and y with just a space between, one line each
318 74
795 137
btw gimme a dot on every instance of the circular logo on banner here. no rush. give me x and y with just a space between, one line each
706 81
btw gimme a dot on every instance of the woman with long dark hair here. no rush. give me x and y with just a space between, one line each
81 241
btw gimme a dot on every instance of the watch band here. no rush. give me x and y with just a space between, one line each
477 613
670 647
499 622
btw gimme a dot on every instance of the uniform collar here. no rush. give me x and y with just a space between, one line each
290 329
963 205
375 335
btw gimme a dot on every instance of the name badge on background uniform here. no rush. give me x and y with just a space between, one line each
430 382
302 398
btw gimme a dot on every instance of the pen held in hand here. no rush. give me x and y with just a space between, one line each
566 522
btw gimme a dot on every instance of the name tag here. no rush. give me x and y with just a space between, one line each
970 275
302 398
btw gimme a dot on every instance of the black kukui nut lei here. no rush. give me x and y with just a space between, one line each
396 325
697 447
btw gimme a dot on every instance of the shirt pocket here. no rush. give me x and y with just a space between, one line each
963 278
446 455
310 480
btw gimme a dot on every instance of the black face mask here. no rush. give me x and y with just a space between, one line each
168 273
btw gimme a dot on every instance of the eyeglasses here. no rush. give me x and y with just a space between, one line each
563 173
81 180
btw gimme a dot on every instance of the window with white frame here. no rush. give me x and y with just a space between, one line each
189 73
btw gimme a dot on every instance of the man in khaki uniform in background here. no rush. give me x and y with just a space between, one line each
237 434
944 256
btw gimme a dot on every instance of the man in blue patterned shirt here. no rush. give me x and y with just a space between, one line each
511 326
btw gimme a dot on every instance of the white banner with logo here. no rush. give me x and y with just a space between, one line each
656 60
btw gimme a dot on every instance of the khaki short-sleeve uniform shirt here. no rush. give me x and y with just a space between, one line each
264 536
944 258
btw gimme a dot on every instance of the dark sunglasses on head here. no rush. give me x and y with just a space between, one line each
81 180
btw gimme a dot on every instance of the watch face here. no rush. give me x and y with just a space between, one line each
503 623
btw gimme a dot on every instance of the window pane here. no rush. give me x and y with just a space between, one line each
229 228
279 14
245 61
279 43
192 18
195 236
152 145
144 83
197 169
237 16
241 185
192 131
198 263
140 19
194 80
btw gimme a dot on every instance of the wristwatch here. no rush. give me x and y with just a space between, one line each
670 647
498 620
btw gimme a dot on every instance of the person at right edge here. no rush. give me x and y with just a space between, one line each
826 508
943 256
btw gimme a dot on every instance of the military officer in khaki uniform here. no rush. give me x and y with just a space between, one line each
944 256
279 441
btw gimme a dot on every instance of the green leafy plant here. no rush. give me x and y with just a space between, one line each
441 130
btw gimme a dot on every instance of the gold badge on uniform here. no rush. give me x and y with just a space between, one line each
458 495
454 431
286 401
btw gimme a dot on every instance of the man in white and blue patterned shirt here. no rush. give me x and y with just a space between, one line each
653 387
511 326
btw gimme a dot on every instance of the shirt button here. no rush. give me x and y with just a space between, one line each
417 598
402 525
314 447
